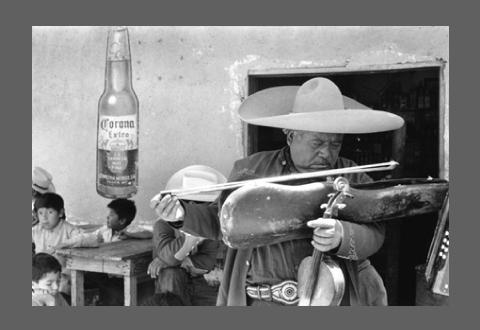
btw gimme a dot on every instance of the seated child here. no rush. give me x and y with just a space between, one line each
46 273
121 213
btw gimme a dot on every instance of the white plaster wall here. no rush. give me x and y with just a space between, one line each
189 81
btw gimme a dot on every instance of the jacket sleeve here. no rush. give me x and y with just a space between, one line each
360 241
166 244
206 255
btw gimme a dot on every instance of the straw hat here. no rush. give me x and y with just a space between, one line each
42 181
317 106
196 176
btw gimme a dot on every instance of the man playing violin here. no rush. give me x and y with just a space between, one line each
314 118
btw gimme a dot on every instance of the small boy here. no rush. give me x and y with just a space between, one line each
46 274
121 213
52 229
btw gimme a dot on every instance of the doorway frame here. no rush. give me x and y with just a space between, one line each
248 137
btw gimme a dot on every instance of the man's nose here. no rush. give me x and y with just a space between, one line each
326 152
329 152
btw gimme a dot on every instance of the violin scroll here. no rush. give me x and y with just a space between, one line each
335 201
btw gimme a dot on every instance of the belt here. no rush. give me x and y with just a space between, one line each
285 292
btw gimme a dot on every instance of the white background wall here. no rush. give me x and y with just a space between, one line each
189 81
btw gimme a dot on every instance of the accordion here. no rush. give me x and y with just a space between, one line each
437 269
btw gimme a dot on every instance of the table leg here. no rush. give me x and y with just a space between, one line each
78 298
130 290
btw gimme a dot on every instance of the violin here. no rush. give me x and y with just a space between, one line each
320 279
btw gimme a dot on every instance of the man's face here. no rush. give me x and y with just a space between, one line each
48 217
49 283
113 221
313 151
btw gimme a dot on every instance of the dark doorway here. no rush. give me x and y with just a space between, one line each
413 94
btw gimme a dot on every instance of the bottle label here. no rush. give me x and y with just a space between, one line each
117 150
117 133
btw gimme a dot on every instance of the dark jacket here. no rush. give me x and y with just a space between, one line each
279 262
167 240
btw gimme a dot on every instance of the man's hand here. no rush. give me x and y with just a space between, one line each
155 267
167 208
188 265
327 233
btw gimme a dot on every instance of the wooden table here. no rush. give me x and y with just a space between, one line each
129 258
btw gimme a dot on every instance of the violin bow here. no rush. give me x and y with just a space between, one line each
282 178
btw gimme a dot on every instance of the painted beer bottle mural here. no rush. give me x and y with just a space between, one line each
117 126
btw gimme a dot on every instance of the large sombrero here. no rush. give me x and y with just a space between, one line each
317 106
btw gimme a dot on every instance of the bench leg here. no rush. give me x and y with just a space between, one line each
130 290
78 298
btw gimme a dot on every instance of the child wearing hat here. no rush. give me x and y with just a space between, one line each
46 275
41 183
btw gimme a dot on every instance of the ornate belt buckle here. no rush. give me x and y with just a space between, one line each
286 292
